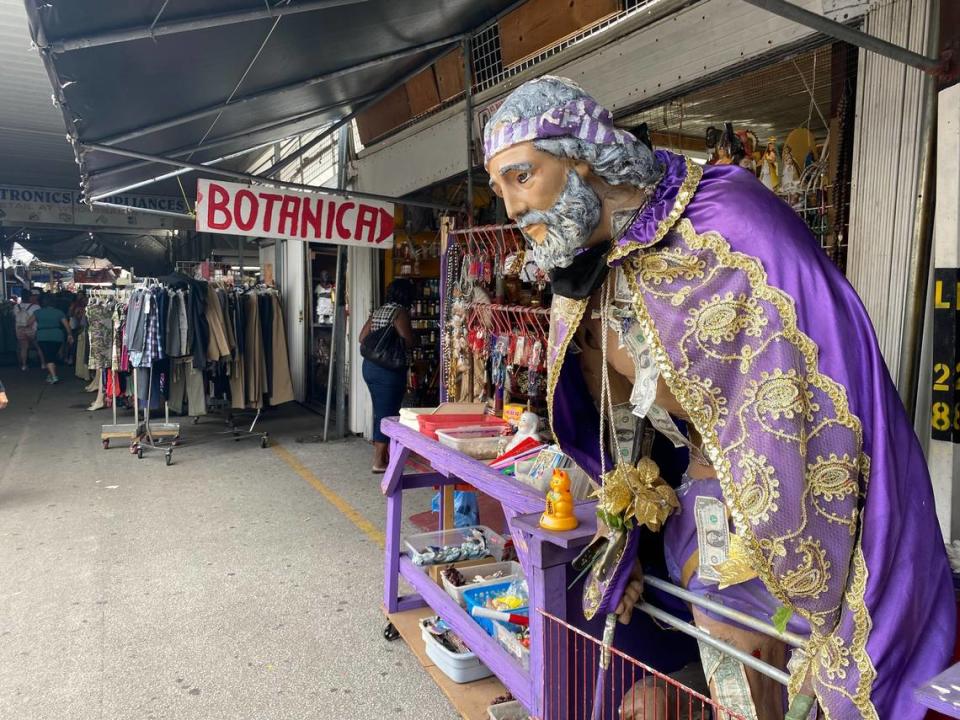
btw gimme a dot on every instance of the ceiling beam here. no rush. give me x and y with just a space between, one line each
232 137
274 92
250 178
191 24
839 31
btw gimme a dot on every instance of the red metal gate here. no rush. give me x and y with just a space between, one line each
629 690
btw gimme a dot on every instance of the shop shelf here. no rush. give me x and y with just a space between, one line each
514 677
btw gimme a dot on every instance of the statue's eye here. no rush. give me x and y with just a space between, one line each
522 177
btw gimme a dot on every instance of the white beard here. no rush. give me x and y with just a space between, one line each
569 224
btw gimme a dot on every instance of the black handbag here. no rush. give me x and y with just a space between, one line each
385 347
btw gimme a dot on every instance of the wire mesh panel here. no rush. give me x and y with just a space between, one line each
575 689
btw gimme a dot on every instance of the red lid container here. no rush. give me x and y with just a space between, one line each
429 424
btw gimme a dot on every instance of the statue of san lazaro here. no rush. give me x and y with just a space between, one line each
702 299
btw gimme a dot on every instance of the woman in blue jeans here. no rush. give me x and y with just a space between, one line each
387 387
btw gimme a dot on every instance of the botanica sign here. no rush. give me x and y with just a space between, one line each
255 211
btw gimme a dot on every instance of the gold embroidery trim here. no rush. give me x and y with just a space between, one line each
687 188
706 423
571 311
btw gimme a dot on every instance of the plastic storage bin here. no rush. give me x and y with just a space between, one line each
429 424
508 641
418 544
511 571
481 442
459 667
512 710
477 597
408 416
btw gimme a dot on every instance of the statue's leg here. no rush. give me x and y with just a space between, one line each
767 694
655 699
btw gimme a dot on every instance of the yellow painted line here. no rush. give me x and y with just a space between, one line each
345 508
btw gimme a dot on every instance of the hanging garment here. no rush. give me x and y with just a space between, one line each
187 388
177 340
81 369
135 334
217 346
282 384
100 334
255 367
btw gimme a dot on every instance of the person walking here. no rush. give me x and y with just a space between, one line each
26 326
387 386
52 328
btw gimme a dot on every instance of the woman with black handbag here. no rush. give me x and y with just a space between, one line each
384 341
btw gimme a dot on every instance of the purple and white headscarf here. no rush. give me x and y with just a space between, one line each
551 107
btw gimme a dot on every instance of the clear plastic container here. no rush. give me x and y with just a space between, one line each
509 642
510 571
421 545
476 441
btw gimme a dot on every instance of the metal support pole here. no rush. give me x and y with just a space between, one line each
174 27
273 92
248 177
704 636
240 242
847 34
723 610
468 101
173 174
334 372
911 338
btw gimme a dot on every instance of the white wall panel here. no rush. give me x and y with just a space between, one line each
944 457
886 160
363 273
651 62
294 295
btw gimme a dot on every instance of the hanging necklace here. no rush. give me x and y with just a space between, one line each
628 494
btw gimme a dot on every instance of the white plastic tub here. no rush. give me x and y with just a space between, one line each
510 571
459 667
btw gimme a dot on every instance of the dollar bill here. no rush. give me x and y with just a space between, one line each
713 536
727 679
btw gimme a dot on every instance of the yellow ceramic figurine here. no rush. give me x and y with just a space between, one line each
559 513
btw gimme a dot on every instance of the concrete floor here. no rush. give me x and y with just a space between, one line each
223 586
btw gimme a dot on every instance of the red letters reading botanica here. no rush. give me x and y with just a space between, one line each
235 209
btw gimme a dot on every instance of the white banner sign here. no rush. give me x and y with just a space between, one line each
55 206
260 211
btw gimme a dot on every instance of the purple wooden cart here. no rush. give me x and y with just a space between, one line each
543 555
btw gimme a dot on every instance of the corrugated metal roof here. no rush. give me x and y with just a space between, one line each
112 91
33 145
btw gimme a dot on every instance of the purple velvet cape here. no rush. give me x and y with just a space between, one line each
771 352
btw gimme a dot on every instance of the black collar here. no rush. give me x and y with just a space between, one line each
584 275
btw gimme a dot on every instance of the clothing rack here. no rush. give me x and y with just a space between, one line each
115 430
249 364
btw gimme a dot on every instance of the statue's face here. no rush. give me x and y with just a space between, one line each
549 198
